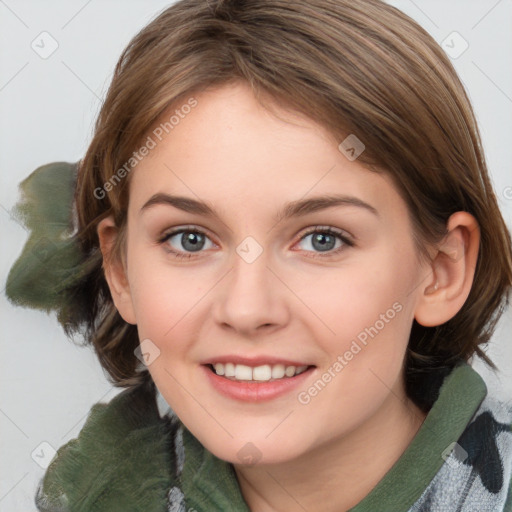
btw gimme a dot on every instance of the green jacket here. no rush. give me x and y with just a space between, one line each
129 456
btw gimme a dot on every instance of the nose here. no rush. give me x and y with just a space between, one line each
251 298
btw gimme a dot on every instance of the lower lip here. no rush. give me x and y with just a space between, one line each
255 391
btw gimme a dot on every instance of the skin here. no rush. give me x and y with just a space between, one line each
247 163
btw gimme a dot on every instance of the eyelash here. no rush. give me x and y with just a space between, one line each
324 230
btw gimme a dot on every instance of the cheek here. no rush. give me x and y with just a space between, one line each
368 315
369 312
355 302
167 300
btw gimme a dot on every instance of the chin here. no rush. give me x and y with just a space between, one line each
254 449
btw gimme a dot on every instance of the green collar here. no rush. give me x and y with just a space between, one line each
461 393
123 459
210 483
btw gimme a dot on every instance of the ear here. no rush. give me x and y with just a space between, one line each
115 271
452 272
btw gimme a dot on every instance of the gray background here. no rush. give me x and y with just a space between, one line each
47 108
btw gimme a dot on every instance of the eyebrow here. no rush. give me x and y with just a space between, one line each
296 208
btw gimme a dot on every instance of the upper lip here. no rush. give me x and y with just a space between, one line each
254 361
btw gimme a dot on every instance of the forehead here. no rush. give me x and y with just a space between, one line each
230 150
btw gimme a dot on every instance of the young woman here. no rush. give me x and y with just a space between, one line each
287 249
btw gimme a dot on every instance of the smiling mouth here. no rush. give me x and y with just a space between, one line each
262 373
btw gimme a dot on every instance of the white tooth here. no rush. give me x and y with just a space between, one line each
243 372
219 368
300 369
278 371
229 370
290 371
262 372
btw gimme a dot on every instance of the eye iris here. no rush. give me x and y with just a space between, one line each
196 241
320 238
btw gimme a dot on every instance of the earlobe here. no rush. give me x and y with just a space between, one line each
452 272
115 272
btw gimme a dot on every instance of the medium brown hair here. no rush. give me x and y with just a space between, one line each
362 68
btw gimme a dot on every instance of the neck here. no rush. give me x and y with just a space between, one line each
336 475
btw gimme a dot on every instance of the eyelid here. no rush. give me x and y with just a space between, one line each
170 232
342 233
347 241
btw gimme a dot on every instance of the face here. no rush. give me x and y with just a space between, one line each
298 261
